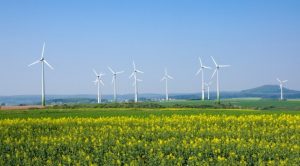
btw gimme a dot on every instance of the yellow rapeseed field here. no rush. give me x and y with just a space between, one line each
155 140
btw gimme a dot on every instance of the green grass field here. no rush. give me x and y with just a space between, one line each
193 107
253 103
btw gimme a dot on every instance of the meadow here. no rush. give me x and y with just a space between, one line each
169 135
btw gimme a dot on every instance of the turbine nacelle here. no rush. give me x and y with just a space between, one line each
42 60
98 77
202 67
281 82
166 76
113 72
135 71
217 67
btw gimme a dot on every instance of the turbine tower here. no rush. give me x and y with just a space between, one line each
43 62
114 79
201 69
217 71
97 82
281 87
166 77
208 89
136 80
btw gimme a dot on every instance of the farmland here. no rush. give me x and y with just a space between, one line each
151 136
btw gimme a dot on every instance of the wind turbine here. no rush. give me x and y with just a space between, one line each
217 71
43 62
136 80
281 87
114 79
201 69
99 81
208 88
166 77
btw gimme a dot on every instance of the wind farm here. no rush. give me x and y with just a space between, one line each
149 83
206 83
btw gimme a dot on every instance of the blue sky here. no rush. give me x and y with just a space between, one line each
260 39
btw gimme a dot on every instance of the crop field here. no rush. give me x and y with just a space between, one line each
254 103
149 136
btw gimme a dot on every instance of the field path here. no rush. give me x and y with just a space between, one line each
20 107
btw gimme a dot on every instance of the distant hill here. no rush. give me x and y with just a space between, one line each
270 91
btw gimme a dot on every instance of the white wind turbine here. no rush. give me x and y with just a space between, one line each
201 69
281 87
217 71
166 77
208 89
99 81
136 80
114 79
43 62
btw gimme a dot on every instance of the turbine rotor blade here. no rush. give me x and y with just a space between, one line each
43 51
213 74
95 82
285 81
200 62
198 71
101 82
214 61
224 65
131 75
119 72
170 77
139 71
206 67
113 80
48 65
111 70
95 72
278 80
34 63
133 65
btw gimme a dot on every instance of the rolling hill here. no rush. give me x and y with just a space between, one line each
269 91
